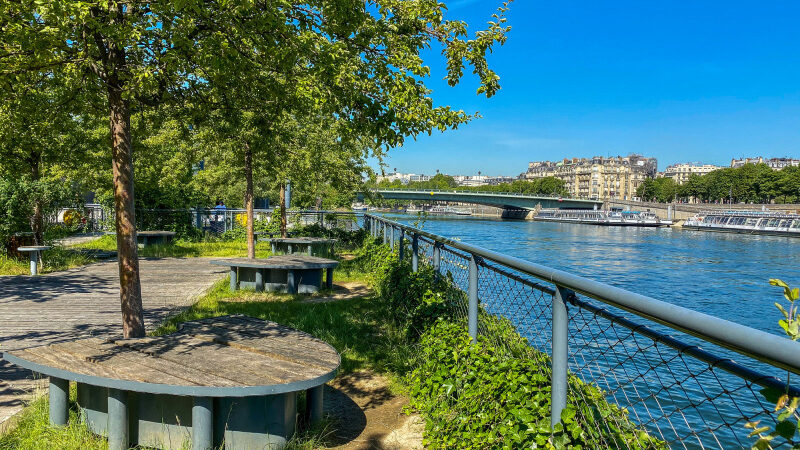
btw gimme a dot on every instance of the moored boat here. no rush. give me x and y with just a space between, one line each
449 210
599 217
750 222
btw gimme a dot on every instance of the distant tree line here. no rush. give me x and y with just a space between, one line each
751 183
540 186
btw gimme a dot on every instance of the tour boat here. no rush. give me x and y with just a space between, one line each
751 222
449 210
414 209
599 217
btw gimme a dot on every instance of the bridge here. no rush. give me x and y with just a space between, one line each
505 200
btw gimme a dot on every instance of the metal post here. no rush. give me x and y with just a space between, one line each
473 298
385 237
59 401
34 262
414 252
400 249
314 403
259 280
117 419
437 260
203 423
291 288
392 229
560 332
329 278
234 284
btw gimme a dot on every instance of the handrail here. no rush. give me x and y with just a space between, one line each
768 348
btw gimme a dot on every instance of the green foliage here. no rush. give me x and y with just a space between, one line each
788 418
477 396
17 199
658 189
540 186
751 183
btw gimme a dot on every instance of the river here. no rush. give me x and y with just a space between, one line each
722 274
682 400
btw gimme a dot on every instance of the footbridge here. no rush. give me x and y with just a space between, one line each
504 200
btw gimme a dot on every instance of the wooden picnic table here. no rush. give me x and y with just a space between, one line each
35 253
294 274
231 379
154 237
312 246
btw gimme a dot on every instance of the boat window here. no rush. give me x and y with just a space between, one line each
773 222
751 222
785 223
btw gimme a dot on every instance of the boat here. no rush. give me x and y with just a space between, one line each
414 209
449 210
358 207
599 217
750 222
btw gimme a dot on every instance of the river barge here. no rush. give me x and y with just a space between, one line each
748 222
599 217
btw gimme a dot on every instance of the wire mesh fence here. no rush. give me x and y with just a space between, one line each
681 389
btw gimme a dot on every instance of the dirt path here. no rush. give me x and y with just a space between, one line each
371 416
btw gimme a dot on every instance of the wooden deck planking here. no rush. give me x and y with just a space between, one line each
160 359
84 302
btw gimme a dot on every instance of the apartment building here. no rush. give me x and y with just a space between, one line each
773 163
681 172
598 177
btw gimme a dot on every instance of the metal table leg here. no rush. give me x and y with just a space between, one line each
117 419
59 401
314 403
203 423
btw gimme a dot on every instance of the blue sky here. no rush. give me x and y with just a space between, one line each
678 80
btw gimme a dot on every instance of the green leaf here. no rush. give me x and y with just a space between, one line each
786 429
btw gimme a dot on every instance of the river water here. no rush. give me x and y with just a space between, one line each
726 275
722 274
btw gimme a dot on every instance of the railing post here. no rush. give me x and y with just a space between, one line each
473 299
400 249
392 230
558 390
385 238
414 252
437 260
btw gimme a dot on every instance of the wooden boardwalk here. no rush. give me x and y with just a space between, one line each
84 302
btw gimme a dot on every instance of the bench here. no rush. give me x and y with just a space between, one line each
146 238
295 274
231 379
312 246
35 253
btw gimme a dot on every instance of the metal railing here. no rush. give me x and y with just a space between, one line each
670 367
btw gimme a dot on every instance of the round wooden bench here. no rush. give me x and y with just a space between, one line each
231 380
35 252
294 274
154 237
311 246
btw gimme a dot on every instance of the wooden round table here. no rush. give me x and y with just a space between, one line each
295 274
311 246
233 379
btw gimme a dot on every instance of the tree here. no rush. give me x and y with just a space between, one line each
39 131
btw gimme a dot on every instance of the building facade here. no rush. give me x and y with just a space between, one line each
773 163
599 178
681 172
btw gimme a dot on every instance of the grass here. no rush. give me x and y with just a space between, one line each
53 260
357 328
182 249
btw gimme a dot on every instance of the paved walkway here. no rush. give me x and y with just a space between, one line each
84 302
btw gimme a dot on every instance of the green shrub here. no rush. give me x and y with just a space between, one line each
476 396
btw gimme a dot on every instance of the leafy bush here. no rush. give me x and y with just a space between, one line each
17 198
475 396
492 394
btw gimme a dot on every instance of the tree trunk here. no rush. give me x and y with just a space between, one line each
248 200
130 290
37 219
283 210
